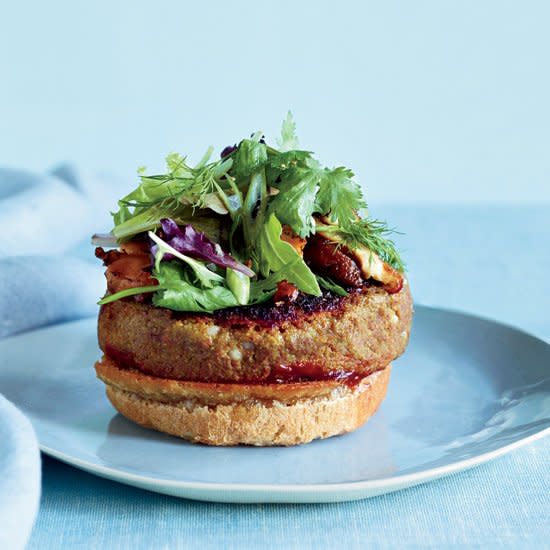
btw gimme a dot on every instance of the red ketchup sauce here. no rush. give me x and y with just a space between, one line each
305 371
302 371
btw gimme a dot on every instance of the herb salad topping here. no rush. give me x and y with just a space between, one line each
228 232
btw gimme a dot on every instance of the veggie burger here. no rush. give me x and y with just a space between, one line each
250 299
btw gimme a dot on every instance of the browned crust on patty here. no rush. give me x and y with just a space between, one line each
362 333
252 421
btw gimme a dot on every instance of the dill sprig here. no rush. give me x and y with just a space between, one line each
166 195
372 234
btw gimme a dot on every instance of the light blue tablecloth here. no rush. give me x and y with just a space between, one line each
489 260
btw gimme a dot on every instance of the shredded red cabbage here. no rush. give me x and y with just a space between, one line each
197 245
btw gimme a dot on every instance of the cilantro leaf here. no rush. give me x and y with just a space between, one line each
295 203
339 196
288 139
281 165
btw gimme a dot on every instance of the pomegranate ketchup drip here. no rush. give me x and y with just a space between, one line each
304 371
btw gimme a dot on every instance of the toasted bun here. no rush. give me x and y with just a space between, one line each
233 414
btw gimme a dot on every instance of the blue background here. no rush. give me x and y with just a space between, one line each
424 100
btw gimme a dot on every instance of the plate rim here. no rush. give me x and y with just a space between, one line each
386 484
364 487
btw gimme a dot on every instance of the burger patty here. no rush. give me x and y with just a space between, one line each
310 339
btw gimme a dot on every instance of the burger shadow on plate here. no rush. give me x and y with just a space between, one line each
363 454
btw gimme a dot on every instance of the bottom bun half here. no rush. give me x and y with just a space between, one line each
248 414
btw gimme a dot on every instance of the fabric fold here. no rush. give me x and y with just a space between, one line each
47 268
20 479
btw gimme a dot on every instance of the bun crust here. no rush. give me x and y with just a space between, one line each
233 414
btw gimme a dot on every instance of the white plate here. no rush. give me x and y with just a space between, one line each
467 390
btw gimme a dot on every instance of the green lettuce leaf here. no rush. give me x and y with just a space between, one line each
176 292
264 289
329 284
205 276
149 219
253 209
274 254
126 293
176 195
249 158
239 284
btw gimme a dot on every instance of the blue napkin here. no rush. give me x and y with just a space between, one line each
19 477
47 268
48 274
